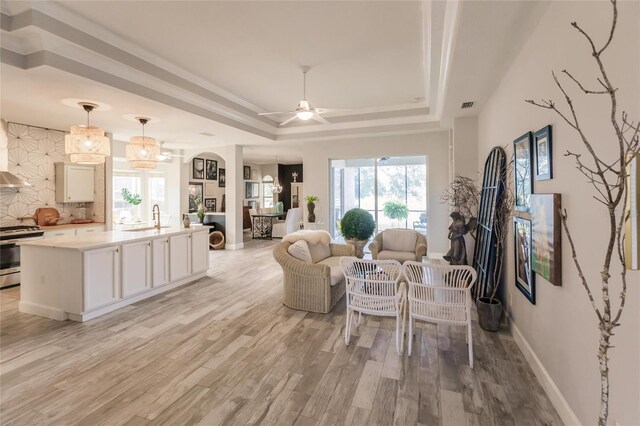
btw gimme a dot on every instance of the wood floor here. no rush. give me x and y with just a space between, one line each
226 351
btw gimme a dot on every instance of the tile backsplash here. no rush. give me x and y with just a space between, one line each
32 154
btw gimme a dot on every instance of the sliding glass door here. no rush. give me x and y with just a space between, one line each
370 183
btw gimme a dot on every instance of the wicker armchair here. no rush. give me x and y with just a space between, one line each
399 244
307 286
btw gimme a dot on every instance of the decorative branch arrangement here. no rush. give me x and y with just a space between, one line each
463 196
502 224
609 179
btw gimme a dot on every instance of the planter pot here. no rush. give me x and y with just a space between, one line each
186 222
359 245
489 313
312 215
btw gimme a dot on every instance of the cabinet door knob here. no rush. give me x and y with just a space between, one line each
117 250
149 244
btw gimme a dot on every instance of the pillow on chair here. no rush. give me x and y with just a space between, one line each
399 240
319 251
300 250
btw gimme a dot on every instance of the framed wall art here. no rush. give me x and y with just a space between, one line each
195 193
210 204
197 168
525 279
542 142
222 178
209 189
212 170
247 172
546 258
252 189
523 165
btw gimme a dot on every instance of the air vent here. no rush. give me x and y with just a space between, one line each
467 104
207 134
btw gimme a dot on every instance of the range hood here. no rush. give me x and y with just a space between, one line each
7 180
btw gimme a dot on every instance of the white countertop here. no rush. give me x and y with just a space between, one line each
105 239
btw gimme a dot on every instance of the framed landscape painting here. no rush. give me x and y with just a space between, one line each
523 165
544 159
212 170
525 279
547 238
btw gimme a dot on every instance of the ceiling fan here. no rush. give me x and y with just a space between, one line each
304 111
167 155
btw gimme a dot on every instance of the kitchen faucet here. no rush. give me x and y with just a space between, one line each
156 215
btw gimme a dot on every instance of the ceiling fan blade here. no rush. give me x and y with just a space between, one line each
320 118
284 123
331 110
275 113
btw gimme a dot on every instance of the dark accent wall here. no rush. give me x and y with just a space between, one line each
284 176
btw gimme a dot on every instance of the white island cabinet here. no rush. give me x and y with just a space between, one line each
85 276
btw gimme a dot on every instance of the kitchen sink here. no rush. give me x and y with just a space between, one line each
148 228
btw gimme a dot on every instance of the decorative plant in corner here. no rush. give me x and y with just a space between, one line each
609 179
311 206
357 227
396 210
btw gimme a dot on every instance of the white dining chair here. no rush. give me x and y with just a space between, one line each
440 294
374 287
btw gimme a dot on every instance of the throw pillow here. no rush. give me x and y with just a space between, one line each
300 250
319 252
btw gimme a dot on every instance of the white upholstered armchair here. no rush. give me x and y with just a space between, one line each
289 225
399 244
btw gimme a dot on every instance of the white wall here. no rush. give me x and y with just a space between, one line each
435 146
465 147
562 328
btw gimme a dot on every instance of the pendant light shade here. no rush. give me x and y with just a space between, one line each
276 188
142 151
87 144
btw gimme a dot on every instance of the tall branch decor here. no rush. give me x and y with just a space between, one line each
609 179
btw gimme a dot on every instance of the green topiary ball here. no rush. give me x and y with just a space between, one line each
358 224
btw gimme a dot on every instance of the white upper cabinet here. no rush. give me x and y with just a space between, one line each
74 183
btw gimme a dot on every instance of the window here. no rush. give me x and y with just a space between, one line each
267 191
150 185
369 183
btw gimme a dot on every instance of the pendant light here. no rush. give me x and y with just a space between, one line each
87 144
143 151
276 188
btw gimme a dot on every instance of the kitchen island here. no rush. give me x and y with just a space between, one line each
82 277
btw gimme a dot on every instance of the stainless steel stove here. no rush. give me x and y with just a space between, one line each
10 251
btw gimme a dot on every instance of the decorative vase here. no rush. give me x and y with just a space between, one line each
359 245
312 216
201 218
489 313
186 222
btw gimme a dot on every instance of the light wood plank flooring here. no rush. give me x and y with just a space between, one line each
226 351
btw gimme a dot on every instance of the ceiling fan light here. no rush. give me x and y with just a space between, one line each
304 115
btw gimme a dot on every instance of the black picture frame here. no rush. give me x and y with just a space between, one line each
210 205
522 172
247 172
252 190
543 143
195 192
212 170
197 168
222 177
522 243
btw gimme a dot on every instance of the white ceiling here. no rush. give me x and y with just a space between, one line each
362 54
211 66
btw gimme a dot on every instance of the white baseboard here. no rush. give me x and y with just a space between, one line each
42 311
555 396
234 246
